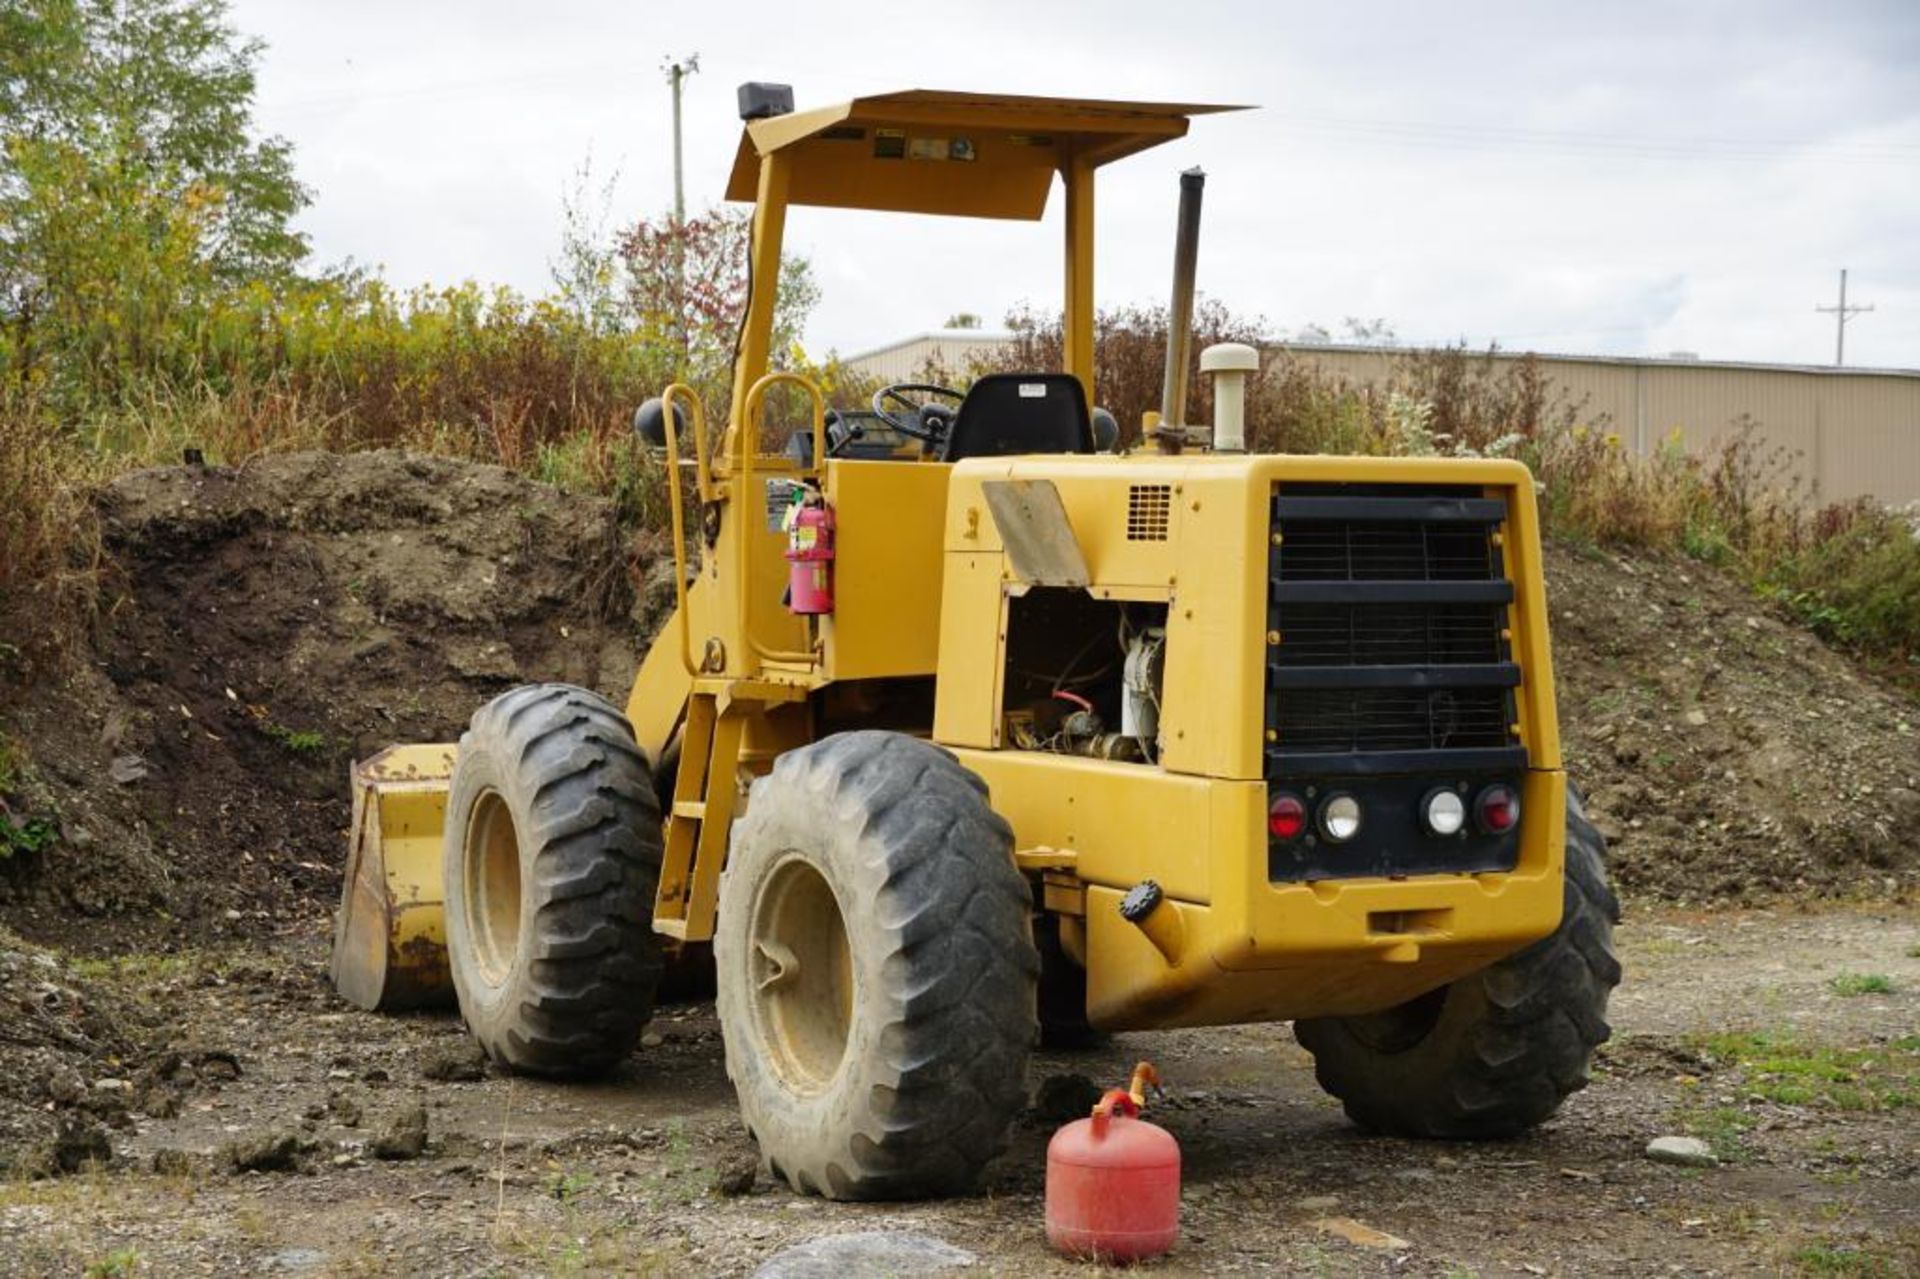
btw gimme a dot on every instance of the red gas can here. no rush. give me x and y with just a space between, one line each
1113 1181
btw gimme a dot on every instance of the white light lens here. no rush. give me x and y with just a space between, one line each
1446 813
1340 818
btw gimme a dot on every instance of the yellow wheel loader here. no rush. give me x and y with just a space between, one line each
969 728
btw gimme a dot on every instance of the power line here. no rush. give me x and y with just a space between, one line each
1841 314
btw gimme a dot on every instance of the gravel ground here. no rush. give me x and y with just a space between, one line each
1785 1039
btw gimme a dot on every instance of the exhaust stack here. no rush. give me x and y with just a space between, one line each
1186 252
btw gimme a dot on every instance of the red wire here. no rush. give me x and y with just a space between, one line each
1075 698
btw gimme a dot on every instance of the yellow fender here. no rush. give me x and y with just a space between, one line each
389 938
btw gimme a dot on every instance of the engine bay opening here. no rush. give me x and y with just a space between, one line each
1083 676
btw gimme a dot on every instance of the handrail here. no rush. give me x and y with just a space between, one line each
747 433
702 484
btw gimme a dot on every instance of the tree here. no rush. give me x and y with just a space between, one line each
686 296
131 183
586 274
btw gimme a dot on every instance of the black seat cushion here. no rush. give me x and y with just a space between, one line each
1011 413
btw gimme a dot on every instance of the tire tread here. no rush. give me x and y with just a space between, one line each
957 977
587 973
1537 1017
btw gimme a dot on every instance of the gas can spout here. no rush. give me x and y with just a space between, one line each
1144 1077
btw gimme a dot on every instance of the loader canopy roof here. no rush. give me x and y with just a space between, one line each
931 151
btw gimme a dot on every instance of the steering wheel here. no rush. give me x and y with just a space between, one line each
923 420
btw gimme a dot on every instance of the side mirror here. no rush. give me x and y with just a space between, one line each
1106 431
650 423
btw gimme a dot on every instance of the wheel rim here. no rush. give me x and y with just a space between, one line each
800 970
492 886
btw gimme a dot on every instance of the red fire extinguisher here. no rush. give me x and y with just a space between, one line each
1113 1180
809 525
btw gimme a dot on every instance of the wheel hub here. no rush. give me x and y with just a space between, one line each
801 974
492 886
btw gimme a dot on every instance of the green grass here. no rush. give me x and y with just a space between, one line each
137 967
116 1264
1782 1070
1849 985
1842 1259
566 1184
1722 1127
301 741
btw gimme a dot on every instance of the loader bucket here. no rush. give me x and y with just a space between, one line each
389 939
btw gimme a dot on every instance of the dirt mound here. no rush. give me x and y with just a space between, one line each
1727 753
289 615
282 619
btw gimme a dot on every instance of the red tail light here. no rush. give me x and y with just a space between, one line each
1497 810
1287 817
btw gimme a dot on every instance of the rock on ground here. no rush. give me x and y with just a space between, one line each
1688 1152
460 1062
266 1152
405 1136
866 1254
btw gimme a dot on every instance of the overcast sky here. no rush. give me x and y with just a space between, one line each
1615 178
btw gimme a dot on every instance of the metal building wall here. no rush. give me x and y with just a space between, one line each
903 361
1834 434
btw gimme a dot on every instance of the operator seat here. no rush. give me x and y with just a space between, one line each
1011 413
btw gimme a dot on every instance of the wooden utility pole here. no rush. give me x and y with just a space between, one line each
677 71
1841 313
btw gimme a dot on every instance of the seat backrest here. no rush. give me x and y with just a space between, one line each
1011 413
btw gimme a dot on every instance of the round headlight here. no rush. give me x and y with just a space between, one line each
1340 818
1497 810
1287 817
1444 812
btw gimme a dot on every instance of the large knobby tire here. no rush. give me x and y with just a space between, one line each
876 970
550 858
1495 1053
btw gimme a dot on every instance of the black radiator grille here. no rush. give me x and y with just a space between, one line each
1378 719
1367 551
1387 613
1388 634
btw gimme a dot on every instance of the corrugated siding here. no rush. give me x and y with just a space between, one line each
904 361
1834 436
